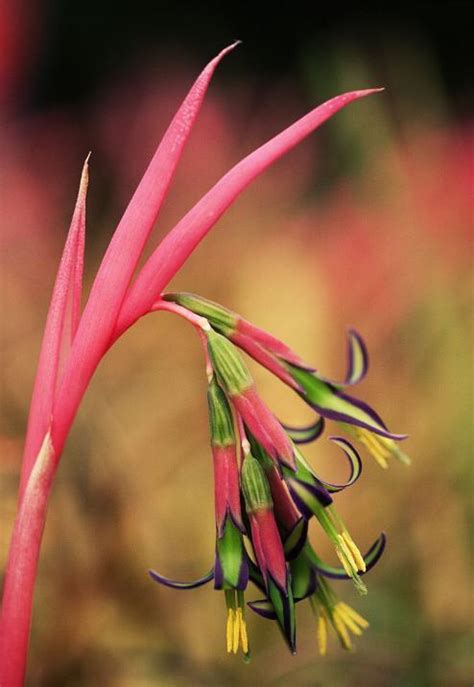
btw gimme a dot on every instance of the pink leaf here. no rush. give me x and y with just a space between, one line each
97 324
177 246
78 265
57 335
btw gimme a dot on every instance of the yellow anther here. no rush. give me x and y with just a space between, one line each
380 459
322 634
345 618
243 631
342 557
355 551
230 629
349 623
236 629
361 622
375 445
379 443
379 452
344 552
236 632
341 629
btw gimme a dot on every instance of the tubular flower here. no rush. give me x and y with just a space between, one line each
324 395
312 497
230 572
237 382
329 610
308 581
224 452
355 416
268 547
291 523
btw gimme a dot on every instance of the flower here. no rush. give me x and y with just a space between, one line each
230 572
237 381
328 609
309 581
224 451
355 416
312 495
268 547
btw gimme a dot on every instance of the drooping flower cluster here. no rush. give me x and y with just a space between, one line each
266 491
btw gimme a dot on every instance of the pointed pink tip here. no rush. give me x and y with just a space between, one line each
84 183
225 51
369 91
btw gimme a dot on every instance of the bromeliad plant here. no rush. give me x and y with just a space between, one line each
265 490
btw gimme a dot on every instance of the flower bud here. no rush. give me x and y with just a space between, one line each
224 453
228 364
221 318
255 486
221 422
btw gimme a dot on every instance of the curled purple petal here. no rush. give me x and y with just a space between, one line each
304 435
355 463
357 362
358 358
263 608
174 584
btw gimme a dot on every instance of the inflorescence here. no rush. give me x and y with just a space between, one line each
266 491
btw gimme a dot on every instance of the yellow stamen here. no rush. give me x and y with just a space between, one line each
322 634
243 631
375 445
230 629
345 618
341 630
236 632
348 570
344 552
362 622
348 622
355 551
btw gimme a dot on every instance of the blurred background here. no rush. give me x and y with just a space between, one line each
366 224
